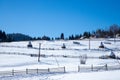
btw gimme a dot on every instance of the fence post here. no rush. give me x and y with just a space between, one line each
37 70
78 68
64 69
92 67
13 72
48 70
26 71
106 66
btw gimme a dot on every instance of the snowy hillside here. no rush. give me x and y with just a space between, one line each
16 55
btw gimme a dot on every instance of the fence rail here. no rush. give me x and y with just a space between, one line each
25 47
44 55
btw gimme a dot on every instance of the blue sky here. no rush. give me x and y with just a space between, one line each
53 17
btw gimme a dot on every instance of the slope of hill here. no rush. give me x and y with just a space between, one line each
12 57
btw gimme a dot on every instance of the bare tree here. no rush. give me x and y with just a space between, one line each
114 29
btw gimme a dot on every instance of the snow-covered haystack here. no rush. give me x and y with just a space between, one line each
112 55
63 46
83 59
101 45
29 45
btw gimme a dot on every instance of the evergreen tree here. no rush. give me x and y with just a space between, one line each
45 38
86 34
62 36
4 37
52 38
77 37
0 34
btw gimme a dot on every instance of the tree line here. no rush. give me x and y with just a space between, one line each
111 32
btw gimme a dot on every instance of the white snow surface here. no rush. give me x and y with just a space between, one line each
18 62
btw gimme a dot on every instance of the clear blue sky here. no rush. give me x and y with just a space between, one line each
53 17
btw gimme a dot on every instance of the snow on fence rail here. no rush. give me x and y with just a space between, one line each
32 71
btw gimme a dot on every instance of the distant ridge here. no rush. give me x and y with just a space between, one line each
19 37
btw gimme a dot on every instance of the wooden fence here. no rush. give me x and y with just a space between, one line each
98 68
32 71
83 68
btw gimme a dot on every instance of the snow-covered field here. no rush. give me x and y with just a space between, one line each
10 61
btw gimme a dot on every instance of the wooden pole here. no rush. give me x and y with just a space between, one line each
89 43
89 40
37 70
13 72
114 38
26 71
78 68
92 67
64 69
106 66
48 70
39 52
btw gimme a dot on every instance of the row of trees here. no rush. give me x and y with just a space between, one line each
19 37
112 31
